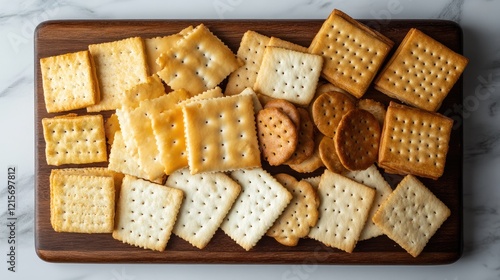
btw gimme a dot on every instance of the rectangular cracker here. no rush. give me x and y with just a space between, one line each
411 215
168 129
414 141
146 213
158 45
81 203
150 89
352 52
69 81
74 139
372 178
251 52
208 198
289 75
280 43
198 62
421 72
120 160
260 203
221 134
343 211
92 171
120 65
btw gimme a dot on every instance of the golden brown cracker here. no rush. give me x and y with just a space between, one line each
328 109
328 155
288 108
305 144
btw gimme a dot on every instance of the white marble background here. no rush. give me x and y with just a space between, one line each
480 21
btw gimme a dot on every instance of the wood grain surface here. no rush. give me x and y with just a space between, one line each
59 37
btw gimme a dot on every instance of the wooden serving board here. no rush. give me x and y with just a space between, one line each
59 37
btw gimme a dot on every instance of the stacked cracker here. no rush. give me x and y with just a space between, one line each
275 105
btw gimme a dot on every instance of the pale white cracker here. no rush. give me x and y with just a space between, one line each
261 202
146 213
208 198
343 211
411 215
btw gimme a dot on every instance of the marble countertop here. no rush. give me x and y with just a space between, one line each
480 114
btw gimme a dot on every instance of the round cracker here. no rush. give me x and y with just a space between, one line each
313 162
288 108
328 109
305 146
329 156
377 109
277 135
357 139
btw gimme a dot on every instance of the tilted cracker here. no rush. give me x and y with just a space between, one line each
314 161
221 134
289 75
343 211
352 52
260 203
257 106
286 107
69 81
79 139
146 213
299 216
305 144
421 72
329 156
372 178
251 51
168 129
357 139
81 203
328 109
208 198
158 45
314 181
111 126
150 89
414 141
198 62
120 65
121 161
411 215
277 134
280 43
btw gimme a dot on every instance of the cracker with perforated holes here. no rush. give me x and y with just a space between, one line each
372 178
421 72
120 160
277 134
208 198
313 162
376 108
286 107
69 81
414 141
352 52
81 203
168 129
158 45
146 213
260 203
74 139
221 134
111 126
289 75
150 89
299 216
411 215
92 171
328 109
343 211
120 65
198 62
305 139
251 51
357 139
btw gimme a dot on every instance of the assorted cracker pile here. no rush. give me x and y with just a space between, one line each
186 157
